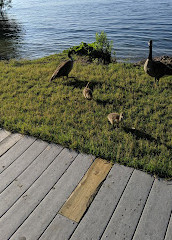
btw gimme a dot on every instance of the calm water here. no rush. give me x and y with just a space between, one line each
35 28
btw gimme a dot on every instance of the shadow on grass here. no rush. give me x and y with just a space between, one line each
142 135
104 102
75 82
170 86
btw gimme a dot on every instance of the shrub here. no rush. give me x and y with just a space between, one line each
101 48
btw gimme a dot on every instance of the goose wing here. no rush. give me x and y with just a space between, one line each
63 69
161 69
154 68
157 69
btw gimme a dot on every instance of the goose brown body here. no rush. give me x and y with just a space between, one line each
154 68
115 118
64 68
87 92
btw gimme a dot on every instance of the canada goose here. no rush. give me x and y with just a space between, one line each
64 68
115 118
154 68
87 92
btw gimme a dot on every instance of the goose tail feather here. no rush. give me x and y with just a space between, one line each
168 71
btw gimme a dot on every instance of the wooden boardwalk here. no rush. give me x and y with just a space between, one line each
37 178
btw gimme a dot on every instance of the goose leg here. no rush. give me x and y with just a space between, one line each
112 127
156 82
155 85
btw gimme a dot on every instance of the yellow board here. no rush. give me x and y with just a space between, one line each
82 196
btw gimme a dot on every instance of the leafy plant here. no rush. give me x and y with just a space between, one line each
101 48
102 43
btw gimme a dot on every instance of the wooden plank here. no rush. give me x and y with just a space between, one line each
8 142
97 217
169 230
3 134
25 205
123 223
61 228
17 167
80 199
46 211
28 177
156 215
15 151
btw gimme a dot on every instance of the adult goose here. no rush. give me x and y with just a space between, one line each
64 68
154 68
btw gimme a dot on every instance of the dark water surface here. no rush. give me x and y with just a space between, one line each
34 28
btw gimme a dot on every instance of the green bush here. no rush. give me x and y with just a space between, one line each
102 43
100 49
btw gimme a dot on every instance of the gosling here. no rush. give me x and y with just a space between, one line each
87 92
115 118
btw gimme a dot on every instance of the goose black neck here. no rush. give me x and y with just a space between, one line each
69 55
150 51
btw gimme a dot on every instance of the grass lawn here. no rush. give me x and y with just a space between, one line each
57 111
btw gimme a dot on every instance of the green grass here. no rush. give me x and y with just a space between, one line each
58 112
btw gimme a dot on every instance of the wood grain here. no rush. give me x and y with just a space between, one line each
81 198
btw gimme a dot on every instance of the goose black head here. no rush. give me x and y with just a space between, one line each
70 53
150 43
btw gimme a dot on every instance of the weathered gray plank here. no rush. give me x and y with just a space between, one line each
8 142
3 134
30 204
17 214
60 229
18 166
169 230
156 214
40 218
95 220
15 151
126 216
25 180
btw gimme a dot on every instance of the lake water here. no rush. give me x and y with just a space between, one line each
37 28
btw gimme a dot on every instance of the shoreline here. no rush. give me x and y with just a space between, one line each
166 59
